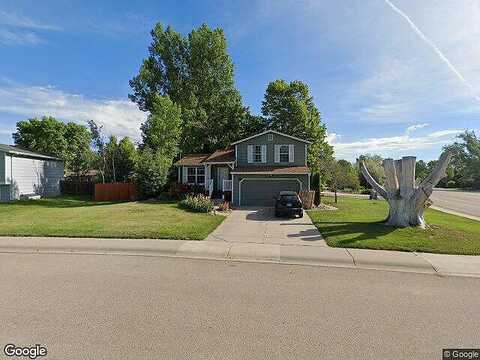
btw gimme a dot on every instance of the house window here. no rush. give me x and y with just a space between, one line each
270 137
196 175
257 153
284 153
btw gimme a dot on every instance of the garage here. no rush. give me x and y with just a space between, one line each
260 192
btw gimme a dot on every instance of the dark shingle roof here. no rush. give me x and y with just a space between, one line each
221 156
192 160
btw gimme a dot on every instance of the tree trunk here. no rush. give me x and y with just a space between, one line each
404 212
405 198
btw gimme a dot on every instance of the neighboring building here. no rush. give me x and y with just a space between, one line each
254 171
24 172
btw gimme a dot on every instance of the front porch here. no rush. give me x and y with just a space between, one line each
218 181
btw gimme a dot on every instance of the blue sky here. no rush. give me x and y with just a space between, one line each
393 77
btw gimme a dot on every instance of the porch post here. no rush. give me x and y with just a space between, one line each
207 176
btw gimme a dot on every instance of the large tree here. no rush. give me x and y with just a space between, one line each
70 142
196 72
344 176
289 108
465 169
162 130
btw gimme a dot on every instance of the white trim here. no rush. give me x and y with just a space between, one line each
184 175
266 173
274 132
263 152
249 154
276 153
291 153
218 162
241 181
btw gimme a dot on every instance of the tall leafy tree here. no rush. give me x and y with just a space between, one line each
465 165
126 160
45 135
289 108
196 72
344 176
162 130
78 152
70 142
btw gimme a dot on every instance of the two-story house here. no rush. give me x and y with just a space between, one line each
253 171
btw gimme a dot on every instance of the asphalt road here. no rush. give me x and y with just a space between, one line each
133 307
465 202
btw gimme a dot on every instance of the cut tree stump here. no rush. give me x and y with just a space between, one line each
407 200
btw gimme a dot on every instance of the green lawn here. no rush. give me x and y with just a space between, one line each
79 217
358 224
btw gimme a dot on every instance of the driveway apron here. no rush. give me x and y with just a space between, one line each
259 225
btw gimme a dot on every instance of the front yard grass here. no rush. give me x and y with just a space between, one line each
81 217
358 223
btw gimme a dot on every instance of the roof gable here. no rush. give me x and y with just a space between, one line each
274 132
14 150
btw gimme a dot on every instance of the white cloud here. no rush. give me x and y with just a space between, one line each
415 127
120 117
8 37
435 48
387 146
17 29
20 21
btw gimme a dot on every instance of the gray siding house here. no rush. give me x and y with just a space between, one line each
24 172
253 171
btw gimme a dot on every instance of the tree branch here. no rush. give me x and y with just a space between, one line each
426 186
376 186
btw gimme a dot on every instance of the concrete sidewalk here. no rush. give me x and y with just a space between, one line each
453 265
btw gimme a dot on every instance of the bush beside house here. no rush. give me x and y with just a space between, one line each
197 203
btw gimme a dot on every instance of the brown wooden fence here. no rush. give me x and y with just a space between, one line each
307 198
77 187
115 192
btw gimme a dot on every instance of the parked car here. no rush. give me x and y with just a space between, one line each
288 203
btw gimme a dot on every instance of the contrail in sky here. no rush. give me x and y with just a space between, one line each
435 48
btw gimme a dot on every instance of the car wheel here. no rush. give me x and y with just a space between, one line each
301 214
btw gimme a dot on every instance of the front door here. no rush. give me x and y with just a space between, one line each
222 174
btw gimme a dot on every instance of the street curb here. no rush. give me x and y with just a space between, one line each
452 212
421 263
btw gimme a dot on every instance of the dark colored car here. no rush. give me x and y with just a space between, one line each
288 203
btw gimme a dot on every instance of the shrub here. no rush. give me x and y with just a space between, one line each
152 173
197 203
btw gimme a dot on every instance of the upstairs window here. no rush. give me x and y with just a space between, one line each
284 153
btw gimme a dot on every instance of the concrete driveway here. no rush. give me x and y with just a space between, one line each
259 225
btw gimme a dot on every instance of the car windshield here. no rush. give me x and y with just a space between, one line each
289 198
